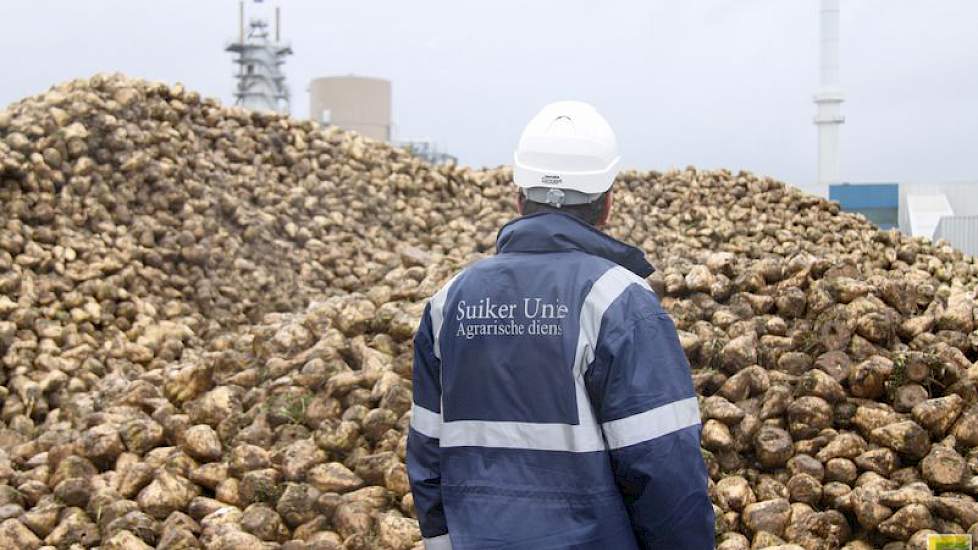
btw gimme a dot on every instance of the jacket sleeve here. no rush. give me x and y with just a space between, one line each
642 393
423 453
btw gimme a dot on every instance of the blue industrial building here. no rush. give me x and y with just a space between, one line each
947 210
879 202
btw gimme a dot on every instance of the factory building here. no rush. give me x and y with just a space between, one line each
933 210
879 202
946 211
363 105
356 103
941 211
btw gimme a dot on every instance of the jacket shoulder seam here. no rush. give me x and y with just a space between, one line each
634 321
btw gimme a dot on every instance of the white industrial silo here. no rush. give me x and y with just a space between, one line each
357 103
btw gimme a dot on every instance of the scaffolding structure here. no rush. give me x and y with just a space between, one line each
261 84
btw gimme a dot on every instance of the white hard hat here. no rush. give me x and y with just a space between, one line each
567 145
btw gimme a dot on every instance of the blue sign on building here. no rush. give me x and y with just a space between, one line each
879 202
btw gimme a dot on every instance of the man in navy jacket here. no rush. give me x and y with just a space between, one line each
553 404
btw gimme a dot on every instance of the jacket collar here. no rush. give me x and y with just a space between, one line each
556 231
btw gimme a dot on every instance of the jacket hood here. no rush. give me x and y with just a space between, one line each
556 231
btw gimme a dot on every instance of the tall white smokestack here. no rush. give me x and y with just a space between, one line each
828 99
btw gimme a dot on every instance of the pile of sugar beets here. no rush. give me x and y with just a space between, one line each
206 319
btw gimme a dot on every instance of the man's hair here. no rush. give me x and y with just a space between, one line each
589 213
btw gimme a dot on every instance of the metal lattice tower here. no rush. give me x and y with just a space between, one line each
261 83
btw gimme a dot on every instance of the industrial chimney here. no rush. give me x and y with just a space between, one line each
828 99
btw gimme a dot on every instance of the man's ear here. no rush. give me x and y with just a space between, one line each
519 202
605 211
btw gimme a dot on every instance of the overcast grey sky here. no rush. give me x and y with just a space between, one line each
712 83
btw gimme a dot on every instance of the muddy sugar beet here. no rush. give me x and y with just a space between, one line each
206 318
